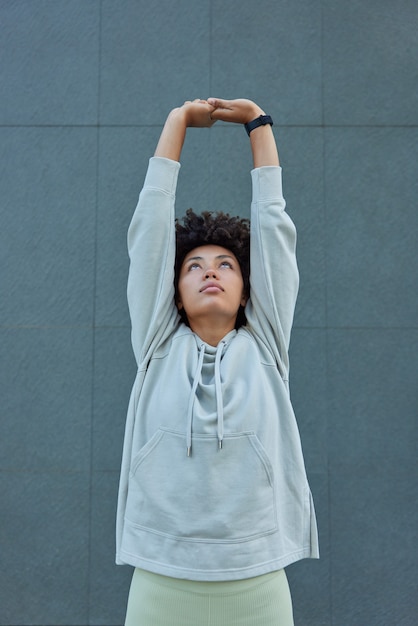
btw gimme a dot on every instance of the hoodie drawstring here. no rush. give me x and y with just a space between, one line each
218 393
192 398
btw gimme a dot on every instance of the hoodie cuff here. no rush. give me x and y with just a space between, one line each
267 183
162 174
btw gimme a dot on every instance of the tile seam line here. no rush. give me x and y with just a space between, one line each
97 128
330 327
210 137
127 327
330 586
276 125
63 326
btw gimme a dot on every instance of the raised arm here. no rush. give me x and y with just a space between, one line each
274 274
263 144
151 241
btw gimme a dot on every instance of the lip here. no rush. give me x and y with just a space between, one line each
211 288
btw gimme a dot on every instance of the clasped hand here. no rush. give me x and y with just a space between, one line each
204 113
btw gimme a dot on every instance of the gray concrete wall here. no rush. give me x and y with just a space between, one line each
85 88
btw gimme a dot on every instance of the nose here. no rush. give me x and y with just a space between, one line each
210 273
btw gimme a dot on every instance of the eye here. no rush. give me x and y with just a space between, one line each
226 264
193 266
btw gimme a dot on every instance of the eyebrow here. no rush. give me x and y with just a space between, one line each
200 258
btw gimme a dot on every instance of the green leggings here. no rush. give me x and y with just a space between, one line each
156 600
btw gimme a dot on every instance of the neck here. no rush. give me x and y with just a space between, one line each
211 334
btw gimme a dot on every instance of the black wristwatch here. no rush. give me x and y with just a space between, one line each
261 120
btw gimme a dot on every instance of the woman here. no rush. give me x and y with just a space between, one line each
214 500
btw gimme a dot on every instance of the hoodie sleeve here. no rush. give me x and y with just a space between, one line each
151 247
274 279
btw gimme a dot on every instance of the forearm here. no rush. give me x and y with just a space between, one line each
263 146
173 135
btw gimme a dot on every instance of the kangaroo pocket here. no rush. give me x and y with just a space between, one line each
213 495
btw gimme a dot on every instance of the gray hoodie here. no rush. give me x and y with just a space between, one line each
213 483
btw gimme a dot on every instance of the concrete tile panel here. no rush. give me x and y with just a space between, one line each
154 56
50 62
230 165
196 180
372 221
109 583
370 71
114 374
269 53
45 389
47 237
372 389
310 579
301 151
374 545
308 390
44 537
372 451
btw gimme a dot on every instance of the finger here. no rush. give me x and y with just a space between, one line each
195 101
218 103
225 115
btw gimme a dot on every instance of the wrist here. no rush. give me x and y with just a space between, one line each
253 114
177 116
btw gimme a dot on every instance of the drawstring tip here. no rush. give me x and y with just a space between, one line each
189 450
220 444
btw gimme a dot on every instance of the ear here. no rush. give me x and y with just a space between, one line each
244 299
179 304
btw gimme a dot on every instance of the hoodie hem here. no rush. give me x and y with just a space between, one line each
238 573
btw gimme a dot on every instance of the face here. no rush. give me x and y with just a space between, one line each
211 284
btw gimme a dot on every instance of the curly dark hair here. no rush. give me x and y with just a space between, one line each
216 228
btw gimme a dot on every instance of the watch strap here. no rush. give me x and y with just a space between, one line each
261 120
